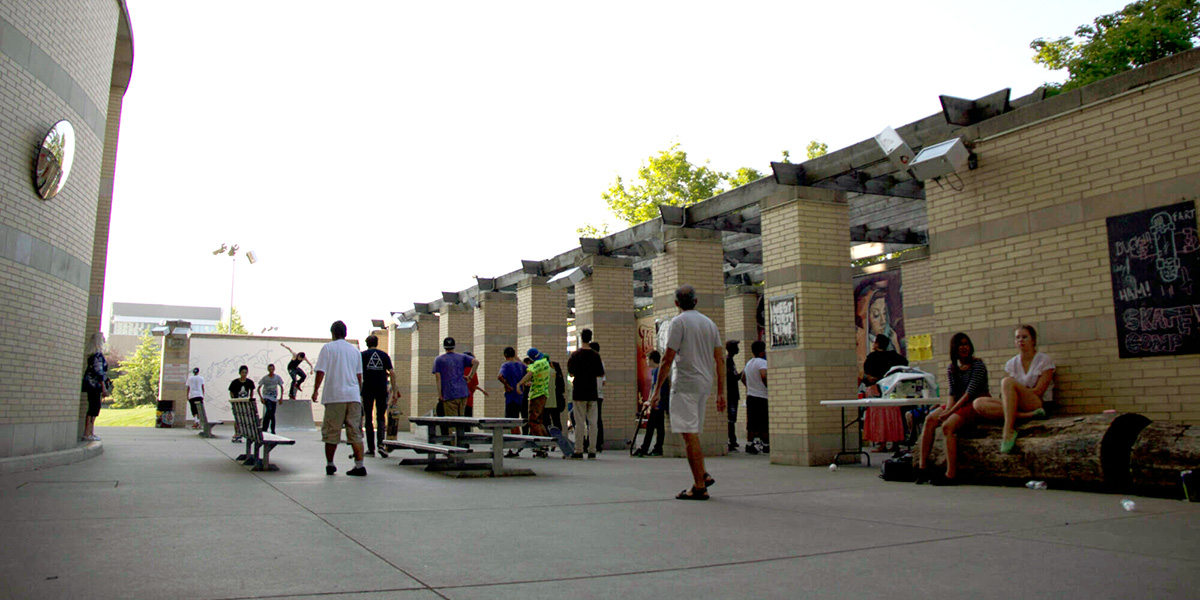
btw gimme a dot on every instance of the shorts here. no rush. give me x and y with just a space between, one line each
512 410
93 398
687 413
339 415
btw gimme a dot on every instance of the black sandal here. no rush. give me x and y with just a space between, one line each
693 494
708 481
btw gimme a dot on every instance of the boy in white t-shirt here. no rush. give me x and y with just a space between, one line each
269 389
755 378
195 395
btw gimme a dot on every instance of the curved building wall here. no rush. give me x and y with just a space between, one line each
56 62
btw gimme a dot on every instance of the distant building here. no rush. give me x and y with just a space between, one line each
129 321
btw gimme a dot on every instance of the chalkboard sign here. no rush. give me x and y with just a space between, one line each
783 321
1154 257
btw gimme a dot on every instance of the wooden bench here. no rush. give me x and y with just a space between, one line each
207 425
245 414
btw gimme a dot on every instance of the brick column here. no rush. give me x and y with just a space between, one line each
458 321
806 241
604 304
495 329
542 319
741 317
426 345
695 257
400 349
174 370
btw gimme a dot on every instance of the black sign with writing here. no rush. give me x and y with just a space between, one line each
1154 256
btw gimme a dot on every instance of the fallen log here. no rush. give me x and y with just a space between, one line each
1161 452
1088 452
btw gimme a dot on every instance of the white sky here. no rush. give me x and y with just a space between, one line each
374 154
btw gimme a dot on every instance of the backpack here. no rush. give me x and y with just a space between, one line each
898 469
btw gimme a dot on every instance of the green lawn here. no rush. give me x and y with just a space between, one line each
141 416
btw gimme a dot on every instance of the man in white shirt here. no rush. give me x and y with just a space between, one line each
695 350
755 378
195 395
340 364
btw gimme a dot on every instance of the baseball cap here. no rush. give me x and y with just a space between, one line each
448 343
533 353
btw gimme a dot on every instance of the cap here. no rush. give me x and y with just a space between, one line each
448 343
533 353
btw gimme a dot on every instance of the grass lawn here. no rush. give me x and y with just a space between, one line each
140 416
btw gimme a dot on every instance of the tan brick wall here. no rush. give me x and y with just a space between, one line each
916 281
741 322
604 304
695 257
808 229
458 321
399 348
495 329
48 245
1024 241
426 345
542 318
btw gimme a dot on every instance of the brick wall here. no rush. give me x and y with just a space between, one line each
46 247
426 345
604 304
495 329
1024 241
400 349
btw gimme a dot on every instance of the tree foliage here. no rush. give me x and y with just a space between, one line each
813 150
1141 33
138 380
234 325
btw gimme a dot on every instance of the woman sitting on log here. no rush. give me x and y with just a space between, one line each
968 382
1029 384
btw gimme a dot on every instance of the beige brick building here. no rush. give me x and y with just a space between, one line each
67 61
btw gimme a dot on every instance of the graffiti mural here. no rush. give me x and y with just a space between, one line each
878 308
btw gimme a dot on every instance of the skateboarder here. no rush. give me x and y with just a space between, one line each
297 374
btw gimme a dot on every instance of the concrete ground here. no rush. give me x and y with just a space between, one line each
165 514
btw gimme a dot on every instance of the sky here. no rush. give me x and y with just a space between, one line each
374 154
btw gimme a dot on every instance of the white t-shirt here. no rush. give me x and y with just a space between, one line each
1040 364
693 337
754 383
195 385
600 384
342 365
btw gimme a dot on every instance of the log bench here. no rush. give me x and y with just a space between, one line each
1085 452
245 414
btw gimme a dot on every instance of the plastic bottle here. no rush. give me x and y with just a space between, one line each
1036 485
1128 505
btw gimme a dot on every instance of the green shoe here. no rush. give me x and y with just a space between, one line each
1007 446
1039 414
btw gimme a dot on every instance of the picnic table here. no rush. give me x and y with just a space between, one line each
867 403
457 445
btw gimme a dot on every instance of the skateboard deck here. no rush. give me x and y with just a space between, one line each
564 444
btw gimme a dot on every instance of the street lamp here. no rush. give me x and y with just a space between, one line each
232 250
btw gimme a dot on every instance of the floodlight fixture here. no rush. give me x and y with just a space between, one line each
233 250
378 323
252 257
221 250
568 278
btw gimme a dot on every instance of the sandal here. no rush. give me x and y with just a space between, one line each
708 481
693 494
1007 446
1039 414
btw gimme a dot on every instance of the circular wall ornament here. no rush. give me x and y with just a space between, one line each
53 162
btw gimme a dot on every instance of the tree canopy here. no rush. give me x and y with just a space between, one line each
1141 33
138 381
669 178
234 325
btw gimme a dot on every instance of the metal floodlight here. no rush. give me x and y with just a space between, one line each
673 215
233 250
568 278
252 257
221 250
451 297
405 324
788 173
377 323
590 245
532 267
423 308
486 284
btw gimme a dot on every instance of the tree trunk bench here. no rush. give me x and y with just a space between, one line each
1160 454
1085 452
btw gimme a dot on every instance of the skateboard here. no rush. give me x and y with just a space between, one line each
564 444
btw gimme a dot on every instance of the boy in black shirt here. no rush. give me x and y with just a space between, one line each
377 372
241 388
297 374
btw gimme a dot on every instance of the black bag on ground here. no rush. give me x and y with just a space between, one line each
898 469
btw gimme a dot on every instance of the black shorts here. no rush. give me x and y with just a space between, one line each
93 403
512 410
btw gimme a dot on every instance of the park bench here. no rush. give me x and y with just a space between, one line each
207 425
245 414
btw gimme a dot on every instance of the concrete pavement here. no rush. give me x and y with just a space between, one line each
165 514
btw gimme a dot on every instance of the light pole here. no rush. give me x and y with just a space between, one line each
232 250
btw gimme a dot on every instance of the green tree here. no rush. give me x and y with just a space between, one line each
1142 32
813 150
138 381
234 325
668 178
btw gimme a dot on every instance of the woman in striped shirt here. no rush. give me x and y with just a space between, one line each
968 381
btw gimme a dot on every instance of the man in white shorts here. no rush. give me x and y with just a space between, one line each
695 350
340 365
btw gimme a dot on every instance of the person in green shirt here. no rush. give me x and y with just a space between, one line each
537 376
